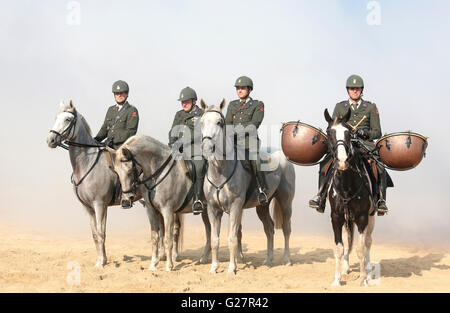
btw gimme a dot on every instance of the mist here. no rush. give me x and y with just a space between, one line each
298 53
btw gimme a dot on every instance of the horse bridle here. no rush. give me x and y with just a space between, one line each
222 123
136 174
64 135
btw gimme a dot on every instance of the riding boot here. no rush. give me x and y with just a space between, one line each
381 206
261 183
199 203
319 201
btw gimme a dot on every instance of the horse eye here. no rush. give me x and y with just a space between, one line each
68 119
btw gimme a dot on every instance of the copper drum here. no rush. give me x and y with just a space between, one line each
402 151
303 144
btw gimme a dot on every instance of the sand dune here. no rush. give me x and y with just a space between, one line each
33 261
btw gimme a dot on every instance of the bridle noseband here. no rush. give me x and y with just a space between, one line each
64 135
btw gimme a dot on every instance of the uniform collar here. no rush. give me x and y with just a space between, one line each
353 106
246 100
120 106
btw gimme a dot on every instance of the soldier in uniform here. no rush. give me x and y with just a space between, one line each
122 119
247 111
190 116
365 116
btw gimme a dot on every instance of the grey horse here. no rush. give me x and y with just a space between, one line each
165 186
96 185
227 184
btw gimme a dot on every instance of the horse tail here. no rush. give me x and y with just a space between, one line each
180 232
277 214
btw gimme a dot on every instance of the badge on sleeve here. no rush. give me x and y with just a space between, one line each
134 114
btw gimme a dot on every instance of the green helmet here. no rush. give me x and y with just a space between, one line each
120 86
187 94
355 81
244 81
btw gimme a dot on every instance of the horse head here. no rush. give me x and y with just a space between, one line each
339 142
212 127
125 166
65 125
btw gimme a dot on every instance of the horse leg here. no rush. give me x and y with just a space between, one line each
240 254
362 252
207 249
286 209
368 241
347 235
176 237
337 221
215 217
235 223
167 214
161 249
153 217
264 216
98 226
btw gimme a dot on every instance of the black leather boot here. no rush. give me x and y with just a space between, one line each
261 183
381 206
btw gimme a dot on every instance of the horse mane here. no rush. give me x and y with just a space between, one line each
139 142
88 128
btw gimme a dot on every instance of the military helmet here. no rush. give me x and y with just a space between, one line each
244 81
187 94
355 81
120 86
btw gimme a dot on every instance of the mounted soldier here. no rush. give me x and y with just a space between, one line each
189 116
248 112
122 119
364 121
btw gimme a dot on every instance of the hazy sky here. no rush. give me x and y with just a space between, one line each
298 53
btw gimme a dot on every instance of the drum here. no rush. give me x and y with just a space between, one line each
402 151
303 144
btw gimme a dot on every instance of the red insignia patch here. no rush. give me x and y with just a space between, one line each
378 112
134 114
262 108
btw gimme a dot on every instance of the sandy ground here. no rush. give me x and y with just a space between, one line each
32 261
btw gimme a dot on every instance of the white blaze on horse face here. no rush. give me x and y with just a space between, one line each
210 128
341 152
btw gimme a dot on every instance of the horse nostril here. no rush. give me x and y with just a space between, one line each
132 198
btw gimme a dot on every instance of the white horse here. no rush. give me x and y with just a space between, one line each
96 185
227 184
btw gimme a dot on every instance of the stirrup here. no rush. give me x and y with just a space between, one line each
196 212
266 200
316 204
381 211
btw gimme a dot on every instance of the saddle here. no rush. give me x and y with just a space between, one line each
266 161
189 169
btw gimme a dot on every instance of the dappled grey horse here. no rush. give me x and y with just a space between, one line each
165 185
227 184
96 185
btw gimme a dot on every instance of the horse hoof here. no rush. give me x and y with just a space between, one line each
336 283
364 283
267 263
287 262
213 269
231 272
99 264
203 260
152 268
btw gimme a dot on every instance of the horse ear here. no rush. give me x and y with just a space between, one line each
327 116
346 116
202 104
222 104
126 153
71 104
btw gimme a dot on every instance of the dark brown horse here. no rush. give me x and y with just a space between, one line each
350 197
